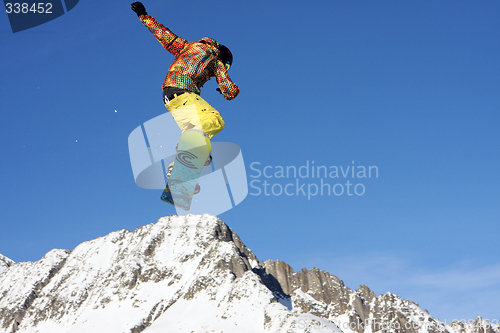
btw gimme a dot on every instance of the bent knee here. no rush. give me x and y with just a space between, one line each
214 126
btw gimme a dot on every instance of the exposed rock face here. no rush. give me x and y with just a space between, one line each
188 274
317 292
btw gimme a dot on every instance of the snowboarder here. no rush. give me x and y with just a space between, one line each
195 63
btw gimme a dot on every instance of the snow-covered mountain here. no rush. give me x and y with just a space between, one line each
192 274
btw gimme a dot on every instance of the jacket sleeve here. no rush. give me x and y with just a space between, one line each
170 41
228 89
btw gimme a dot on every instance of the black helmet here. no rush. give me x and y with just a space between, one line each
225 56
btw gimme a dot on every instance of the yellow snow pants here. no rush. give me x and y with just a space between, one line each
191 111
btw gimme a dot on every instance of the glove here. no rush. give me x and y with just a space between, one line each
138 8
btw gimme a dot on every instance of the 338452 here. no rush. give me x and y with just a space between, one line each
25 8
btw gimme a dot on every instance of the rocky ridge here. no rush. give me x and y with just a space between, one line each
324 295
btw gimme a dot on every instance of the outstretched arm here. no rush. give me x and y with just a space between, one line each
226 86
170 41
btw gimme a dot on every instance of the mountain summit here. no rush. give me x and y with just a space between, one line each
192 274
5 263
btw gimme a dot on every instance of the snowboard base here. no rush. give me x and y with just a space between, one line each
192 152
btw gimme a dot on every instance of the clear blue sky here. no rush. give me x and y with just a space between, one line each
412 88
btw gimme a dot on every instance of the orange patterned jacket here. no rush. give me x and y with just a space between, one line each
194 64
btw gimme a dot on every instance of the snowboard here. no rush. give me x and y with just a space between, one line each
192 152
